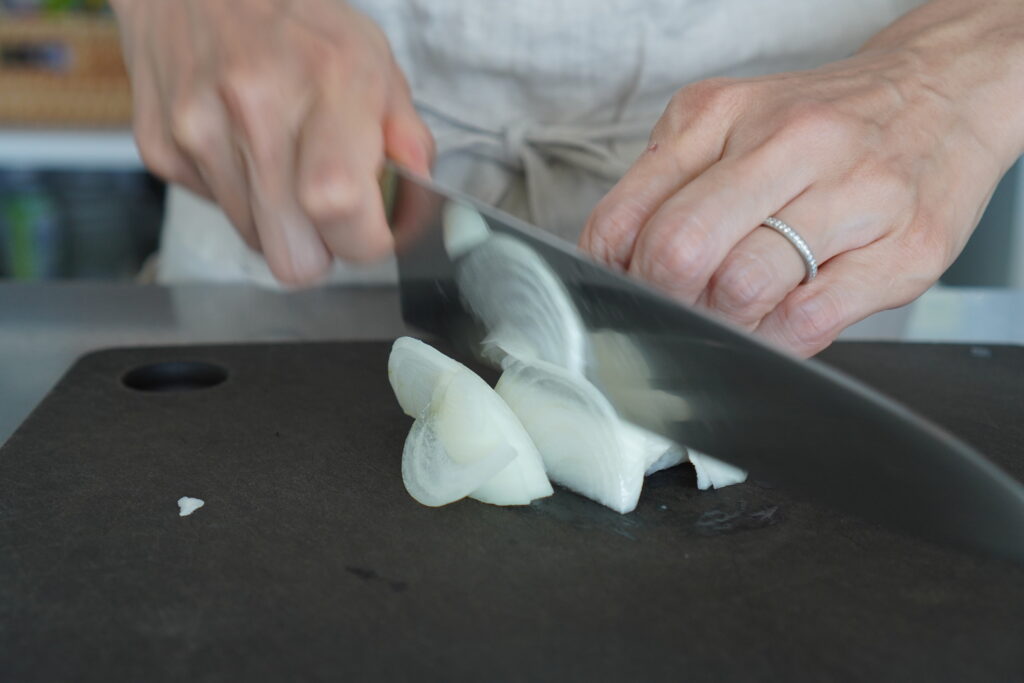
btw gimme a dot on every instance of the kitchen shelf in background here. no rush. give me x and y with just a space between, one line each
85 149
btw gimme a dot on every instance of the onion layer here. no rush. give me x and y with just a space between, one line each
584 444
465 440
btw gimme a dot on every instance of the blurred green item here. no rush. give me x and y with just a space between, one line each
77 224
29 229
55 7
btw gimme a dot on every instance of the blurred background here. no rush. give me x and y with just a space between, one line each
75 201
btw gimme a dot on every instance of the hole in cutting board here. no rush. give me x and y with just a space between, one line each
175 376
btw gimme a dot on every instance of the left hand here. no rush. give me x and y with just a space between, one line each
883 169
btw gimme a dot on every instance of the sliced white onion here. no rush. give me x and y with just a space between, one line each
536 334
658 452
625 373
465 441
523 305
584 445
521 482
416 371
713 473
464 228
433 477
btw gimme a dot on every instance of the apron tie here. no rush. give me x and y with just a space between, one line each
532 148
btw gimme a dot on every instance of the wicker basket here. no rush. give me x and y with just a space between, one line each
62 72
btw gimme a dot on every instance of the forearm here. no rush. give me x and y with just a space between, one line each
969 52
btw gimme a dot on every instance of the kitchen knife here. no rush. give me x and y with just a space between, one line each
465 268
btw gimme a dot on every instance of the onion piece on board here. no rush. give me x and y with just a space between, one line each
584 444
465 441
713 473
531 317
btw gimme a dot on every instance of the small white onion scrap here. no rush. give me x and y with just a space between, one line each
713 473
187 505
465 440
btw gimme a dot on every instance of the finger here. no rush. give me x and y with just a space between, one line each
756 275
764 266
153 138
266 139
201 129
341 151
407 139
687 140
689 236
611 230
849 288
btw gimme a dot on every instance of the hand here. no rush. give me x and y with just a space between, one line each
883 163
280 112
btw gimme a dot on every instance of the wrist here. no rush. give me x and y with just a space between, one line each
972 56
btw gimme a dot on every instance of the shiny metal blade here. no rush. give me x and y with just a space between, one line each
465 269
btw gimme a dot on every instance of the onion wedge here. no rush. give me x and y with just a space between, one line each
584 444
524 307
465 440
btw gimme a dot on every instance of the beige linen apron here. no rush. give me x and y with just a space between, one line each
538 106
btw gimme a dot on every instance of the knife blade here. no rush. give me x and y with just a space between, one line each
675 370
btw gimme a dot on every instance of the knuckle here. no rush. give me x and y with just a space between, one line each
710 98
596 242
158 158
612 229
928 250
678 264
247 93
890 181
813 322
710 94
192 127
599 244
329 63
742 289
819 123
329 196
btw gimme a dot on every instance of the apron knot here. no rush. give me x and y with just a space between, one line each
534 148
515 138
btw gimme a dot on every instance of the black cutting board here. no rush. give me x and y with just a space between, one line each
309 560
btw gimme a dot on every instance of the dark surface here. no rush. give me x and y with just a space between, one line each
681 372
309 560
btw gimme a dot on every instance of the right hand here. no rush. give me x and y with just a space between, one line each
282 113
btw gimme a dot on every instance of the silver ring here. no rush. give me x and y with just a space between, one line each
810 263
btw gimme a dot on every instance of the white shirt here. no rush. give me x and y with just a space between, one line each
538 105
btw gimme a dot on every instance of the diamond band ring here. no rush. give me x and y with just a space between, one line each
810 263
